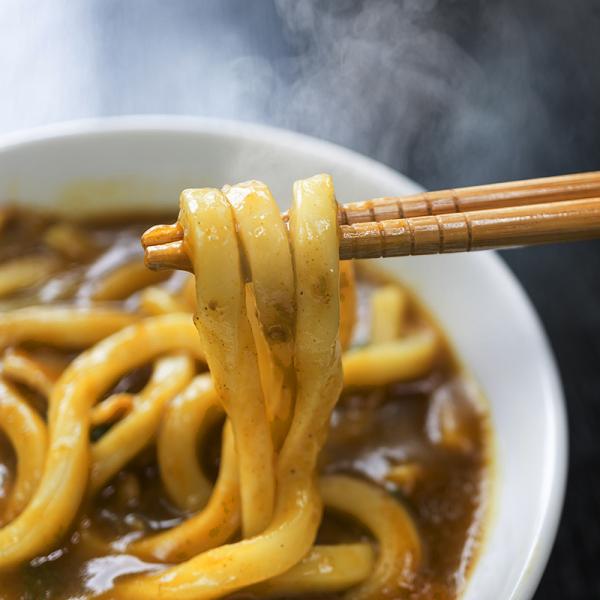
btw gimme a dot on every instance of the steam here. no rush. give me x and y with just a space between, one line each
385 79
378 98
395 79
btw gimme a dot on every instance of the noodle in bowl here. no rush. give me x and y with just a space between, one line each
143 163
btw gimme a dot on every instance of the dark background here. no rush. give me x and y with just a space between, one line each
451 92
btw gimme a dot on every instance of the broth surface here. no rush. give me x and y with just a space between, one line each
389 435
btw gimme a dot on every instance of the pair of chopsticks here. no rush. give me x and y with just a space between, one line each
502 215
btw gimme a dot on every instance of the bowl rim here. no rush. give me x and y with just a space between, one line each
542 542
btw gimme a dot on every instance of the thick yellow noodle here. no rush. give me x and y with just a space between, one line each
212 526
291 533
112 409
399 543
210 234
380 364
187 295
388 313
26 432
23 368
125 280
69 240
325 569
265 246
130 435
25 271
61 326
155 300
56 500
347 303
186 421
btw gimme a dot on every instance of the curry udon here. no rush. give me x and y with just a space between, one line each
312 435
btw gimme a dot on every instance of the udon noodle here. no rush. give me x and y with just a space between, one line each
229 426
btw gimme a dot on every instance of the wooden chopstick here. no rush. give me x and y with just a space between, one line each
170 255
568 220
480 197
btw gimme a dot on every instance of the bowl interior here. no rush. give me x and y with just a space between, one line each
82 168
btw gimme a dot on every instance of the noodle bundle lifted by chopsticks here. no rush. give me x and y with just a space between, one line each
268 318
267 327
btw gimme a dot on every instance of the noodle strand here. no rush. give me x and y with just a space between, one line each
227 338
213 526
58 496
187 420
298 507
399 543
130 435
264 240
26 432
62 327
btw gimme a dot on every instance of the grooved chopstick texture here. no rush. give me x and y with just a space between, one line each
481 197
568 220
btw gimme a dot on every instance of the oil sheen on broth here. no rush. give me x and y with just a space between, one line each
424 440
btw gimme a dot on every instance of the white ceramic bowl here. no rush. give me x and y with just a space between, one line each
146 161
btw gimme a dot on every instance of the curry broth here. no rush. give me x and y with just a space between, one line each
373 431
